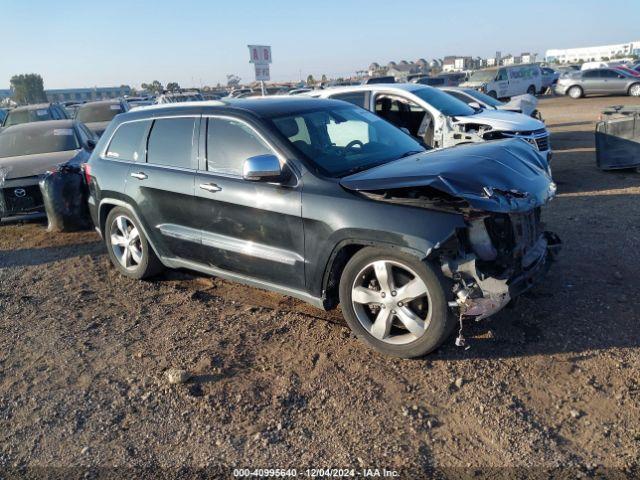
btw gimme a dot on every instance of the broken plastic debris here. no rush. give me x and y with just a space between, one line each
4 171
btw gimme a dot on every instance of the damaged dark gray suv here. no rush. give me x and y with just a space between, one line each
324 201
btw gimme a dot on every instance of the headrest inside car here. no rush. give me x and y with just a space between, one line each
288 127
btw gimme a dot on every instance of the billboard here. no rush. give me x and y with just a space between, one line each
259 54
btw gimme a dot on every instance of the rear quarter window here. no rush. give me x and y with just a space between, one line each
129 141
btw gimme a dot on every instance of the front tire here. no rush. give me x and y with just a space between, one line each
493 94
634 90
128 247
575 92
395 303
531 90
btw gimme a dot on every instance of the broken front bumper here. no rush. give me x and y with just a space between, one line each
479 296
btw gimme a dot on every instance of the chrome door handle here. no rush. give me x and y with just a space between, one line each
210 187
139 175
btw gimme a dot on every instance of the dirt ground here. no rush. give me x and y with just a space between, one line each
549 387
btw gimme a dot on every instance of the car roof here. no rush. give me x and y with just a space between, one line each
31 127
102 102
35 106
271 106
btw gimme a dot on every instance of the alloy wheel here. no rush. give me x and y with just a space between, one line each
126 242
391 302
634 91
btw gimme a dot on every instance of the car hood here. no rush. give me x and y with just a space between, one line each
32 165
498 176
503 121
97 127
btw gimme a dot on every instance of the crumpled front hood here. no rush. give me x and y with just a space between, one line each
503 121
525 103
32 165
498 176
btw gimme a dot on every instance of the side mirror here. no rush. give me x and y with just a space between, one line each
91 144
475 105
265 168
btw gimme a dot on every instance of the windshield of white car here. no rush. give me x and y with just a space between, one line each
483 97
443 102
36 141
340 141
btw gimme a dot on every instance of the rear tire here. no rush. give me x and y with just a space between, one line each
575 92
395 303
493 94
634 90
128 247
531 90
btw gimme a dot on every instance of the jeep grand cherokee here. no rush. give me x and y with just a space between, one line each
327 202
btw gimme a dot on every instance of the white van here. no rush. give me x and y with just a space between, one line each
507 81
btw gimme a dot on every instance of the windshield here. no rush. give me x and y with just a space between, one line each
103 112
17 117
37 140
483 76
443 102
345 140
483 97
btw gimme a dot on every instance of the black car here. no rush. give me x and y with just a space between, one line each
28 150
97 115
327 202
40 112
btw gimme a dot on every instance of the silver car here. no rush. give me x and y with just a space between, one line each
598 81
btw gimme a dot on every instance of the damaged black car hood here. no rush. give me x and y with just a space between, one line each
498 176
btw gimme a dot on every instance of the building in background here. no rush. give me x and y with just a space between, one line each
86 94
593 54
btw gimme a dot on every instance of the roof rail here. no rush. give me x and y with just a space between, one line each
198 103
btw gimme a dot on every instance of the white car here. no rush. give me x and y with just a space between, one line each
437 118
505 82
520 104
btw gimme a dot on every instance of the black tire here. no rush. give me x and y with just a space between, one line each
493 94
531 90
441 324
149 264
579 92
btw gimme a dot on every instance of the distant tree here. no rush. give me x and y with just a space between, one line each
324 78
233 80
28 88
311 81
153 87
173 87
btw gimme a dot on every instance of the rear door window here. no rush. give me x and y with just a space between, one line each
129 142
591 74
171 142
230 143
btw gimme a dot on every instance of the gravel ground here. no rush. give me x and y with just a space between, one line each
548 387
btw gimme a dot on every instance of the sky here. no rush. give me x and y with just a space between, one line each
74 43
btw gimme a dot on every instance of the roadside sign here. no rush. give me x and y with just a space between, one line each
262 72
259 54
